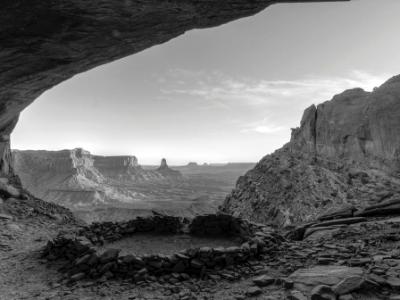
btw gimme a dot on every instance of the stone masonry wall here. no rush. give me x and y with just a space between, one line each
84 261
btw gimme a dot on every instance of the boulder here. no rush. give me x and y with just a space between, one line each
393 209
322 292
253 291
263 280
8 190
346 221
393 282
109 255
312 230
306 279
348 285
6 217
296 295
345 211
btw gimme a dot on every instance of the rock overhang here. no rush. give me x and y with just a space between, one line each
45 43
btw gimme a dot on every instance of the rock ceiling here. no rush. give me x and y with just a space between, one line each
46 42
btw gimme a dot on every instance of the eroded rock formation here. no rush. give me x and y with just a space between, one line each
46 42
345 152
75 178
167 172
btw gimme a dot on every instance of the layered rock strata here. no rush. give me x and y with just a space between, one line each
345 153
75 178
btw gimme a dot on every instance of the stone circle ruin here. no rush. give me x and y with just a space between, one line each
83 260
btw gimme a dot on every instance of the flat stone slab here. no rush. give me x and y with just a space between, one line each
345 211
306 279
318 232
346 221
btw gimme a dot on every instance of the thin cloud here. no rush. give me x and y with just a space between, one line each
230 91
276 104
263 129
264 126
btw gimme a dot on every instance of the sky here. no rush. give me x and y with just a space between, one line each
225 94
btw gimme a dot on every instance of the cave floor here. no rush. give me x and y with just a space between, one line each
144 244
25 275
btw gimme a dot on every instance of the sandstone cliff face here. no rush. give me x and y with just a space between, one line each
75 178
123 169
345 152
66 169
355 125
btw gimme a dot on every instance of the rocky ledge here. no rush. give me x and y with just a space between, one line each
16 203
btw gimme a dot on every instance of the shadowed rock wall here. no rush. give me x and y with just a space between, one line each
46 42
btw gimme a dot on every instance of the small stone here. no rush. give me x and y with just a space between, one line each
358 262
322 292
197 264
263 280
378 279
287 283
82 260
214 277
348 285
142 271
78 276
5 217
325 260
253 291
9 190
109 255
296 295
346 297
393 282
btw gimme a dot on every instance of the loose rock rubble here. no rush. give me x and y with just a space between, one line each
17 203
338 256
361 260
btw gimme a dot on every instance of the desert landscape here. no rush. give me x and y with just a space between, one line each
118 188
316 218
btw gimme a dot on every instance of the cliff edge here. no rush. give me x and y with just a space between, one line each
346 153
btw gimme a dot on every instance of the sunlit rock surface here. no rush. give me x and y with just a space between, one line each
75 178
345 152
